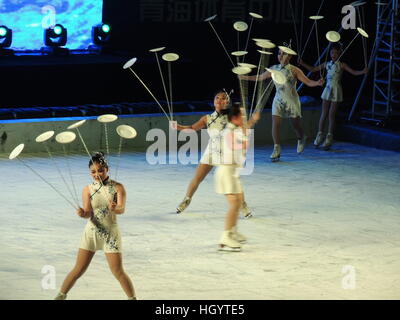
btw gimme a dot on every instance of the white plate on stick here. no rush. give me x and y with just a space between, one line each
65 137
260 40
130 63
210 18
256 15
107 118
249 65
287 50
333 36
157 49
76 125
362 32
126 132
44 136
239 53
16 152
170 57
240 26
316 17
241 70
265 44
277 76
264 52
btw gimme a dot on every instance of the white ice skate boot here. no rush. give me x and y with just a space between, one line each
61 296
228 243
319 139
183 205
328 141
246 210
238 236
276 154
301 144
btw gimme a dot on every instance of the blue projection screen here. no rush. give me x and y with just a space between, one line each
28 18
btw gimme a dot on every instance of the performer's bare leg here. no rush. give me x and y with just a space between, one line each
115 263
82 263
202 171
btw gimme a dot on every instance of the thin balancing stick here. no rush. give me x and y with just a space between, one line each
170 90
119 157
48 183
223 46
320 7
362 38
248 37
106 133
163 82
348 46
60 173
294 23
88 153
255 85
155 99
301 26
265 91
70 174
319 59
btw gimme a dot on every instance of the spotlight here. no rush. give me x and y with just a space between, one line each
5 41
101 35
54 39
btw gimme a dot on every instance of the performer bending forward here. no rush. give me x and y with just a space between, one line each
102 201
214 123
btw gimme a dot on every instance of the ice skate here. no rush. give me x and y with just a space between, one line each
238 236
318 139
228 243
183 205
328 142
276 154
246 210
301 144
61 296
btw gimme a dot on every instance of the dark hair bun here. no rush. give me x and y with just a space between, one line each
98 157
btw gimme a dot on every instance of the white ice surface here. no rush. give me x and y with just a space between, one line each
313 215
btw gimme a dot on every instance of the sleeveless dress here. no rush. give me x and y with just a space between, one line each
286 102
333 89
227 175
216 122
101 231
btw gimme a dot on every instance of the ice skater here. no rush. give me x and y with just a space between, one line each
214 123
332 94
227 177
286 103
103 200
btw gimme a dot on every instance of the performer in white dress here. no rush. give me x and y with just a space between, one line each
332 94
103 200
286 102
227 177
214 123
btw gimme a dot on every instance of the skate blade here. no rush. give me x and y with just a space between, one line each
228 249
275 159
248 215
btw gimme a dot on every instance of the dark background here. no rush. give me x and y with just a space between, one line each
203 68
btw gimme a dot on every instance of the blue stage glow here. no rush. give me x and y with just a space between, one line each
28 18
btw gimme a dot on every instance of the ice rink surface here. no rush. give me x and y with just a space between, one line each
326 225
